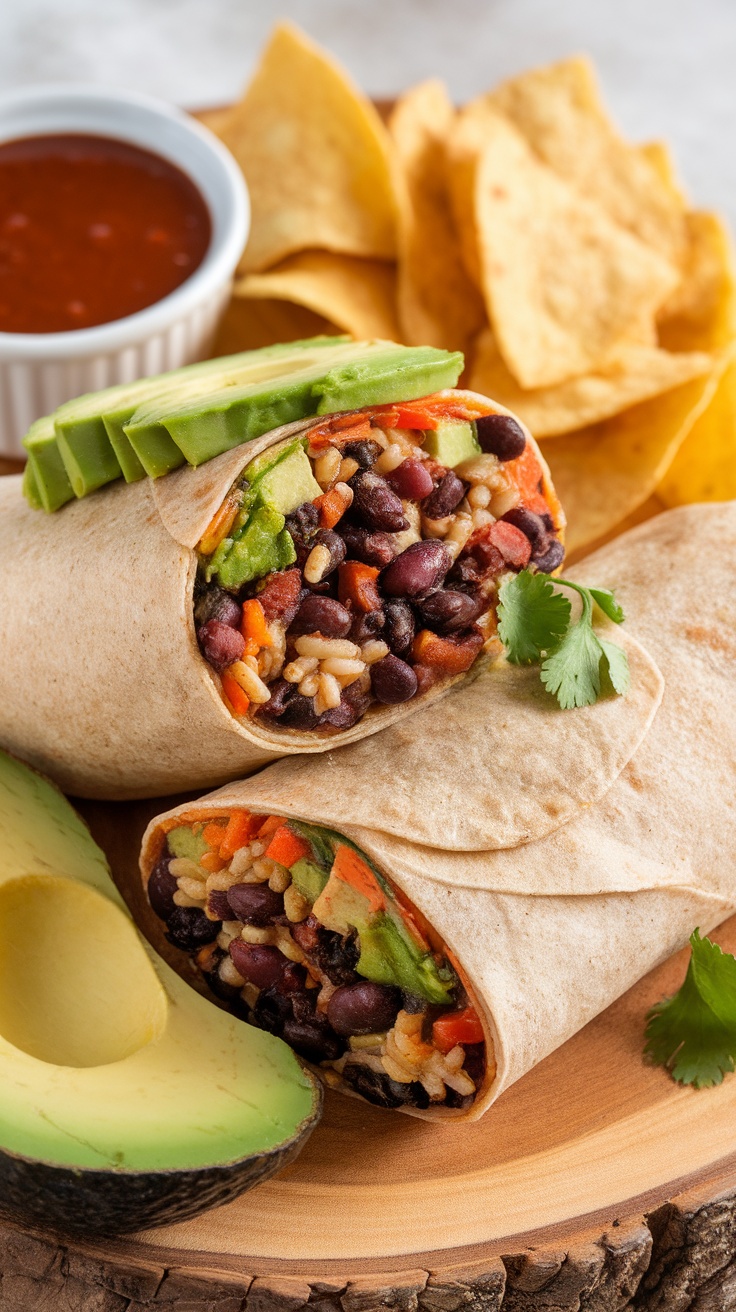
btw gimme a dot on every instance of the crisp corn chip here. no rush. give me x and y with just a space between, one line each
564 286
560 113
604 473
701 313
638 373
316 157
438 304
659 155
247 325
356 295
704 468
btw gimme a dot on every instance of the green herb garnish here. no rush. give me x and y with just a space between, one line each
693 1033
534 625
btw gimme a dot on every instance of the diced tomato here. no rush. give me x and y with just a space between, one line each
356 583
234 694
286 847
352 870
457 1027
451 655
240 829
253 624
514 545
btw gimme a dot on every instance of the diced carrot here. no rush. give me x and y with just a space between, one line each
270 825
446 655
457 1027
213 862
352 870
286 847
253 624
234 694
526 474
332 506
213 833
356 583
219 525
251 648
514 545
240 828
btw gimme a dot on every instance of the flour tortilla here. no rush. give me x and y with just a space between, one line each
102 685
550 932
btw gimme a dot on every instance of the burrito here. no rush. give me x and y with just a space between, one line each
425 915
304 589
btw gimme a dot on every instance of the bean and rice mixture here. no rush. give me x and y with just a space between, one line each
385 582
297 932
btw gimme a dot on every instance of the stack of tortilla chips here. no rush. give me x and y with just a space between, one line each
522 230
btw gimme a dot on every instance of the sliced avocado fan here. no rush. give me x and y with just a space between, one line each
126 1099
195 413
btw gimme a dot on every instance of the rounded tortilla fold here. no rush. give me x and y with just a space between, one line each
102 684
549 933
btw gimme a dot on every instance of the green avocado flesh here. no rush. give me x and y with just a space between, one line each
452 442
109 1060
51 481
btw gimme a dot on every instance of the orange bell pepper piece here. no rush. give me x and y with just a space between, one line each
352 870
234 694
356 583
331 506
444 655
253 625
286 847
457 1027
240 829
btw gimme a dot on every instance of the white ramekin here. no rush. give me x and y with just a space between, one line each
38 371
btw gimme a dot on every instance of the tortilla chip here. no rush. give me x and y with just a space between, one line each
438 304
638 373
316 156
603 473
214 119
560 113
659 155
247 325
563 284
701 313
704 468
359 296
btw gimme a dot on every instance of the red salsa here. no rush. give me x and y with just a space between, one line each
91 230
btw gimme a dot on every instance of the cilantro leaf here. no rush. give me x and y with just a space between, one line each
617 665
693 1033
572 671
604 598
532 617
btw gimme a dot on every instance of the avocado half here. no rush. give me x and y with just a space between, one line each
126 1099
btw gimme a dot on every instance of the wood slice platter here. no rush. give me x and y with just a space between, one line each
594 1183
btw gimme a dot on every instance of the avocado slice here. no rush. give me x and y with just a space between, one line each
126 1099
30 488
263 546
50 479
184 842
289 483
361 374
308 878
451 442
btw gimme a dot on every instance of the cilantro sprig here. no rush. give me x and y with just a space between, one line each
693 1033
534 625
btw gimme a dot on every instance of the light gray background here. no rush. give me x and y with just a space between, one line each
668 67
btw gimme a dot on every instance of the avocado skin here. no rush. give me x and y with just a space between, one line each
107 1203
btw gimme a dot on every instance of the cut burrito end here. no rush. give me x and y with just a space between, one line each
357 562
297 931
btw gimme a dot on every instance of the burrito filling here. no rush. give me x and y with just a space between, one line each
360 562
296 931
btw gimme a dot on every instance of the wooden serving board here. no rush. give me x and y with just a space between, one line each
594 1183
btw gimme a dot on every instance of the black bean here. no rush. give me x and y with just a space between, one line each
363 1008
501 436
448 494
336 547
392 680
412 480
381 1090
259 963
533 526
311 1039
299 713
272 1010
220 644
372 548
162 887
399 628
281 694
218 905
552 557
303 521
254 904
354 703
365 452
335 955
445 611
324 615
366 625
375 504
418 570
293 981
216 604
188 928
